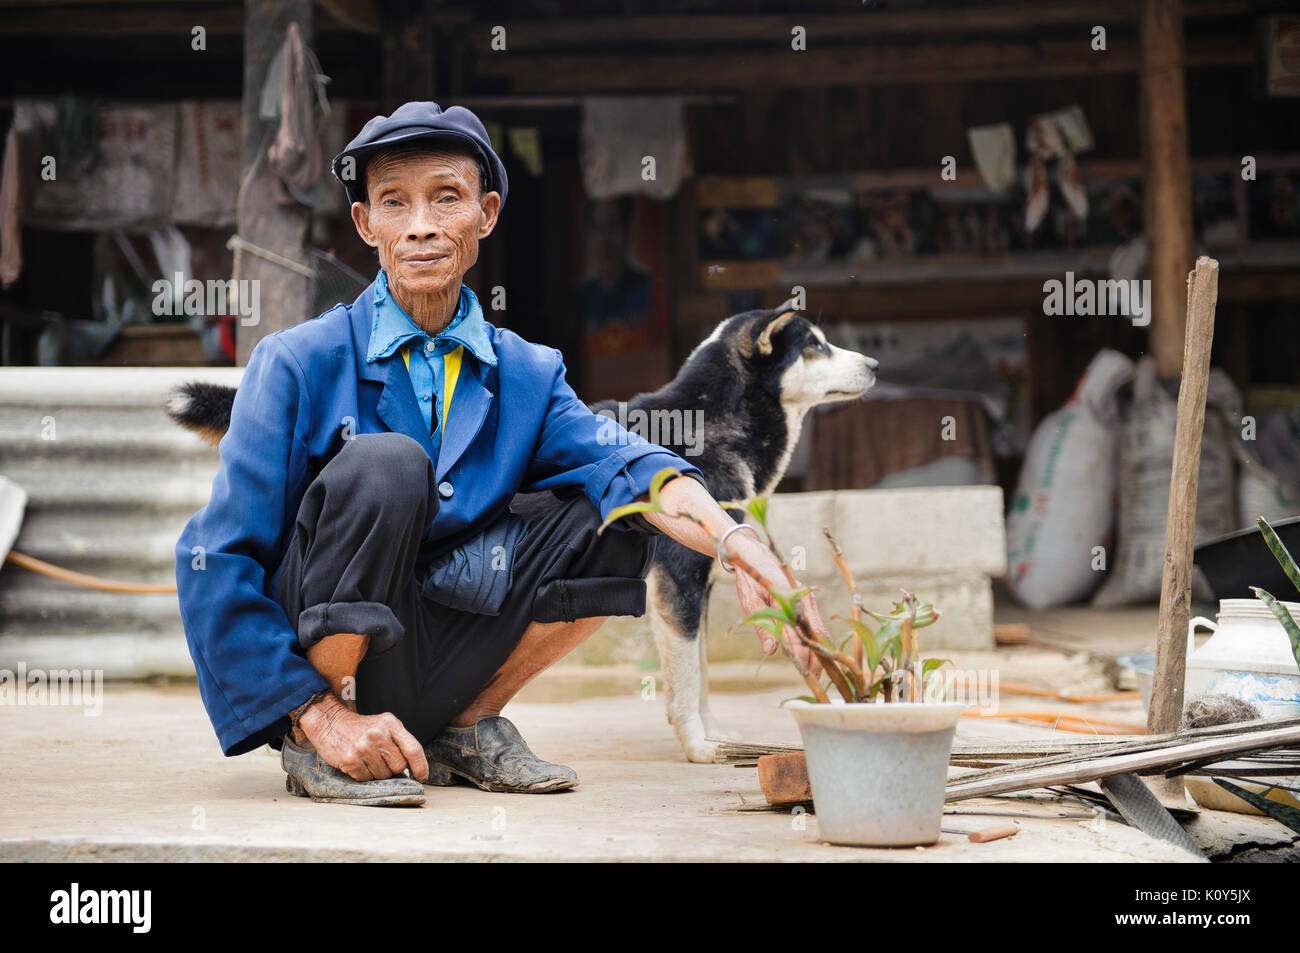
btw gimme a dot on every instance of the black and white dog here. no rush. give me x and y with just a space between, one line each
749 385
751 381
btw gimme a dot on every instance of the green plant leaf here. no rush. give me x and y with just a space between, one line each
788 597
890 630
891 649
628 509
871 648
767 613
758 507
1283 615
925 615
658 482
1279 551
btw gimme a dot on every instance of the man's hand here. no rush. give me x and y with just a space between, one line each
753 597
681 495
365 747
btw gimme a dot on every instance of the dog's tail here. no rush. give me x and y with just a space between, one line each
203 408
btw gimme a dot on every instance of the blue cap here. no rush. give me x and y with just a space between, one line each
419 121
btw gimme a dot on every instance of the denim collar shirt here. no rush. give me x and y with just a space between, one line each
433 363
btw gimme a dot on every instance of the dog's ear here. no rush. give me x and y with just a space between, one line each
776 324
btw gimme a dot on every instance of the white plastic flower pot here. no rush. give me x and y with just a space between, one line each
877 771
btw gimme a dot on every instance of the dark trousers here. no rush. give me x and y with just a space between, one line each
350 567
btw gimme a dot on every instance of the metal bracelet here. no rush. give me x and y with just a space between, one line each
722 542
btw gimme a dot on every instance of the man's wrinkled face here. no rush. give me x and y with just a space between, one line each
425 218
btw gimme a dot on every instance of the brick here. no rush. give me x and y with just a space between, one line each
784 778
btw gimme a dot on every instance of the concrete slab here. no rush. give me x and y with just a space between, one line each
146 781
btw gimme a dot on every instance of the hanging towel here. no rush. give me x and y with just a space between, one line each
620 132
295 154
994 149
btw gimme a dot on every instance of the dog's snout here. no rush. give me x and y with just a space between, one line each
872 364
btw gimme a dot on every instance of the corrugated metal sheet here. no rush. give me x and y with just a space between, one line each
111 482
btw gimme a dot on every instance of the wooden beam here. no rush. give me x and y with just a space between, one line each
1002 19
1167 178
607 72
155 4
921 300
163 17
217 19
410 69
360 15
284 294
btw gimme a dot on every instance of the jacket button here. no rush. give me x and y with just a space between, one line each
444 489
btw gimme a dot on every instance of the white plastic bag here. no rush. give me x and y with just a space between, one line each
1064 505
1146 464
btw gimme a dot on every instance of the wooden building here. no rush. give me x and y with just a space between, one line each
828 151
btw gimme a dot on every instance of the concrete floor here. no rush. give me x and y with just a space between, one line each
146 781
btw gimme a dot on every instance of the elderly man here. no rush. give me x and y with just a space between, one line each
402 533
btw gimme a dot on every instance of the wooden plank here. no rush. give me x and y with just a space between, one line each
553 33
1166 707
610 72
1091 769
931 299
410 66
1011 633
217 19
360 15
1167 179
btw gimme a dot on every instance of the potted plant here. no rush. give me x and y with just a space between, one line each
878 753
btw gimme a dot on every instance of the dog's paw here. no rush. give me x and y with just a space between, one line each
701 752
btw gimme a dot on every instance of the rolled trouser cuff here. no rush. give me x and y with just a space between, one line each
566 600
361 618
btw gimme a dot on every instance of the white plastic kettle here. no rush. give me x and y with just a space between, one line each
1249 657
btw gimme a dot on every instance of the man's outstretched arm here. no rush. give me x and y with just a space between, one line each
678 495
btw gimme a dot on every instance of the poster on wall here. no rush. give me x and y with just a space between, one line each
622 297
1282 56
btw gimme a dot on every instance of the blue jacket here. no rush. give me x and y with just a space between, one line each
515 427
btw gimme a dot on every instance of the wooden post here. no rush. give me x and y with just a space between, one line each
284 295
1180 528
410 67
1167 178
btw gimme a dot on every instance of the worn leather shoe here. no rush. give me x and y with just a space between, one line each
492 755
309 775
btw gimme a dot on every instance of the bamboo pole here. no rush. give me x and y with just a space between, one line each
1180 527
1030 775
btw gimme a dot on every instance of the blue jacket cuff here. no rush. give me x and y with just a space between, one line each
633 477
